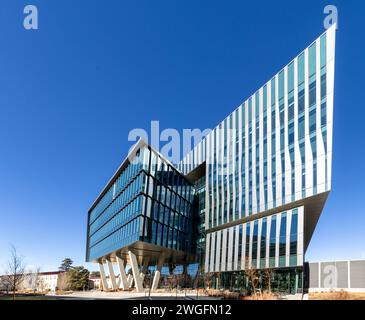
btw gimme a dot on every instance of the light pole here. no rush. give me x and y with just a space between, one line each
149 291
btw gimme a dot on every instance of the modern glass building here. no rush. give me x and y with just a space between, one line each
144 216
255 186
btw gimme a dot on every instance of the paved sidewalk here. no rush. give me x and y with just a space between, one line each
92 295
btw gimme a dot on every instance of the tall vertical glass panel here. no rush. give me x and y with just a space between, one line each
272 242
282 241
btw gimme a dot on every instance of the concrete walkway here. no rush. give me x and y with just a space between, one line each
297 296
92 295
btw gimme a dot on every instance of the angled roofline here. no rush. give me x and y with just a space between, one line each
139 144
251 95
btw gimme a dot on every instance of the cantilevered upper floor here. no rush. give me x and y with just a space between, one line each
146 207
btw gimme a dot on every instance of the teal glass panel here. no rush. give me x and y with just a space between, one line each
312 59
273 237
281 84
282 261
273 92
323 50
293 261
301 69
291 77
282 240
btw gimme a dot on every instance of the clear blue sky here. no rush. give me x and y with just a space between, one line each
71 91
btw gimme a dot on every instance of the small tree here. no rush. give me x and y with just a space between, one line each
218 279
172 281
66 265
252 275
78 278
268 277
14 275
208 278
63 282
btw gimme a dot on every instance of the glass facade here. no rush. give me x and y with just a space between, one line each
149 201
281 281
267 167
270 155
279 126
263 243
199 237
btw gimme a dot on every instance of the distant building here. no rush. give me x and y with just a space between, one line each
95 282
41 282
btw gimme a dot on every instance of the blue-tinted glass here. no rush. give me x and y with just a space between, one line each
312 59
323 50
273 95
291 77
281 84
263 239
282 245
294 234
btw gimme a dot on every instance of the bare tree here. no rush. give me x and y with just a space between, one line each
252 275
14 275
208 278
267 277
218 279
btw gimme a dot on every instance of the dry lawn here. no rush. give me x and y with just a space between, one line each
263 296
340 295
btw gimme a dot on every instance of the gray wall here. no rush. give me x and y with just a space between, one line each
337 275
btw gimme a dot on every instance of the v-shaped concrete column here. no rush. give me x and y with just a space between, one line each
130 281
111 274
122 275
135 270
103 277
156 278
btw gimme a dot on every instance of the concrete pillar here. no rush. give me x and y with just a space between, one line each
296 281
156 278
129 281
123 277
135 270
103 277
111 274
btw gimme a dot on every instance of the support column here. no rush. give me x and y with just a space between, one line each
135 271
123 277
296 281
156 277
130 281
102 276
111 274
